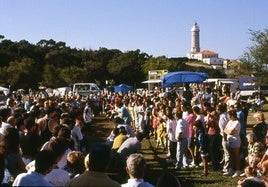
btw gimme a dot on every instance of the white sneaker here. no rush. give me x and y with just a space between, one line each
192 166
236 174
242 175
229 172
192 163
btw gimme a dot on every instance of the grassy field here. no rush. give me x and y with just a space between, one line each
156 160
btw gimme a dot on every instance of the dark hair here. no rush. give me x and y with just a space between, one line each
119 120
122 130
4 113
196 109
253 183
64 132
29 123
168 179
178 115
116 131
75 113
199 125
58 146
140 136
44 160
11 140
232 113
99 157
222 107
50 109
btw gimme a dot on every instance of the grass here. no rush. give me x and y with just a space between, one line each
156 160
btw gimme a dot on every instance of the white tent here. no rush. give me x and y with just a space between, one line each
4 90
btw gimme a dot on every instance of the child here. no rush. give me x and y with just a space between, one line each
161 134
202 139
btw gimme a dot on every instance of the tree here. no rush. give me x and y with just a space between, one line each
256 58
94 70
21 74
126 67
72 74
51 76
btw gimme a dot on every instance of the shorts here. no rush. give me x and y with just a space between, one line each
191 142
234 144
204 153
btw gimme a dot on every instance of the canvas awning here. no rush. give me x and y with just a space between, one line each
227 82
183 77
152 81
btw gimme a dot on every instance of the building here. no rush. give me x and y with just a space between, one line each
195 47
154 78
207 56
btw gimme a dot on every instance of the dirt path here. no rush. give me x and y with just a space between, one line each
102 127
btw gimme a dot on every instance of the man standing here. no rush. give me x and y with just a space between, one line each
223 120
181 136
87 114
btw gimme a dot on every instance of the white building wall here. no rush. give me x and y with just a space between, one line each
213 61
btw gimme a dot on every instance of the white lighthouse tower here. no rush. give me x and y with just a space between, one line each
207 56
195 47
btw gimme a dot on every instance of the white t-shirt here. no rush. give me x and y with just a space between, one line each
182 127
171 129
235 137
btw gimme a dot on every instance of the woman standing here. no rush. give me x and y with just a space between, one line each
215 138
232 131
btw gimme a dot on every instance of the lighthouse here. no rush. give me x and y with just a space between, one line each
195 47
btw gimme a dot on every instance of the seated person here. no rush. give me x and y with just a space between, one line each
118 141
251 178
75 164
96 163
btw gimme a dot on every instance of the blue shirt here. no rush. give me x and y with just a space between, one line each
31 178
241 118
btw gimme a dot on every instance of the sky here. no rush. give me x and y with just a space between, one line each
155 27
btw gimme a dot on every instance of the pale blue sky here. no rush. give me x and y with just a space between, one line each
156 27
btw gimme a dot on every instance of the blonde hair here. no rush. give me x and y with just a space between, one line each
74 157
259 116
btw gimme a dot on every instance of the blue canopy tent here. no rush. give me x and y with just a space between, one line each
183 77
123 88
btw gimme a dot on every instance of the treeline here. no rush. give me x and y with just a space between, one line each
53 64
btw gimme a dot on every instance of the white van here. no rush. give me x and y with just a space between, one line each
85 88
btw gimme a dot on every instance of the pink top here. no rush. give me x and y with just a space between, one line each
191 119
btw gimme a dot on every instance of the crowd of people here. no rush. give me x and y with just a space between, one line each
199 127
